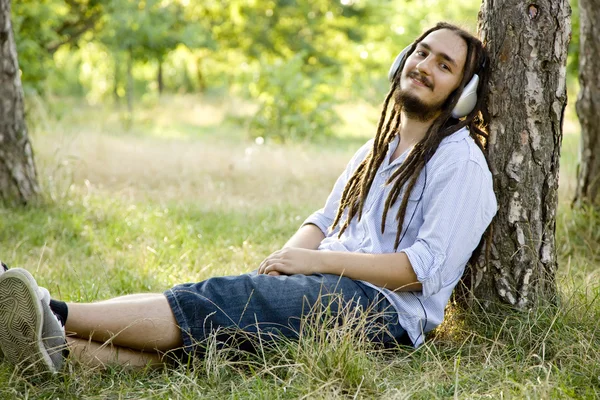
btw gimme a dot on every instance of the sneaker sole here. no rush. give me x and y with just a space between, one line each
21 322
3 269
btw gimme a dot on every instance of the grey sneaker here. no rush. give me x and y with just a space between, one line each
3 269
30 334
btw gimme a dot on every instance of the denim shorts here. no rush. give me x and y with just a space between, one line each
235 308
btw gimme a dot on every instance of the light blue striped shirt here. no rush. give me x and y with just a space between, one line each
448 211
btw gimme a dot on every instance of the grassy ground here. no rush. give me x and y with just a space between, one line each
183 196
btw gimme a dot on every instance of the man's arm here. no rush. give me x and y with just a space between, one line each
392 271
308 236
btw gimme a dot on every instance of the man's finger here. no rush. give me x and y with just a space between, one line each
281 268
262 266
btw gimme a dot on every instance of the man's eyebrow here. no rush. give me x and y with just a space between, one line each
443 55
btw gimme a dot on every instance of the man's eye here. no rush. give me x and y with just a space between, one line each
420 53
445 66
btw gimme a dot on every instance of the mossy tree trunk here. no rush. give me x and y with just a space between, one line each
588 103
528 44
18 181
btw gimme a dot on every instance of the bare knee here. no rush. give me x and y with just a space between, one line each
143 323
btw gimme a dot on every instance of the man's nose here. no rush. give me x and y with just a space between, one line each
424 66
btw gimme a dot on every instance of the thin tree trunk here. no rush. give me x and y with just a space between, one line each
130 83
200 75
588 103
159 77
18 180
116 97
528 47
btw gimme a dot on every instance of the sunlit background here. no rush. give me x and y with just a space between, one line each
283 67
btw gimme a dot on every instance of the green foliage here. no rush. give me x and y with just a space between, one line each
42 27
105 49
31 36
150 29
293 105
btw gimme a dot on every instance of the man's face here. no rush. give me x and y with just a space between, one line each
431 73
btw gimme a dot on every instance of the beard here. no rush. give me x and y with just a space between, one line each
414 107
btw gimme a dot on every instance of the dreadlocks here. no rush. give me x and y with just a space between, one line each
357 188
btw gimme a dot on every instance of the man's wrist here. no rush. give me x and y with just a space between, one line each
326 263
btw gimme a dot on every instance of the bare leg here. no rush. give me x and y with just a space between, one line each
93 354
141 322
130 297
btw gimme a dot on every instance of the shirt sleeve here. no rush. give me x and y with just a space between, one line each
458 205
324 217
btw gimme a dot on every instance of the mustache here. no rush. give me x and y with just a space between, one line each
421 78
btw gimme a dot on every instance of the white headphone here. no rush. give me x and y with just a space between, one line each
468 98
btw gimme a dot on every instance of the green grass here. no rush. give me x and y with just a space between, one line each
125 212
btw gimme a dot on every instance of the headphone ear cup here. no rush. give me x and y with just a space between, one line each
467 100
397 62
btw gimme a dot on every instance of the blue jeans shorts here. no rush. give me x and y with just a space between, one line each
235 308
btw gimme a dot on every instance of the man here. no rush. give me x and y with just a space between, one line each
392 240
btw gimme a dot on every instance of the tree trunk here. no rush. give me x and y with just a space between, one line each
200 75
130 82
528 48
128 119
17 170
159 77
588 103
116 83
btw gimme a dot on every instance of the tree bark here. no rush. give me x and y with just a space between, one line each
18 180
588 103
528 43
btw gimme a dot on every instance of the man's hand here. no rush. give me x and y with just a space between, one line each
291 261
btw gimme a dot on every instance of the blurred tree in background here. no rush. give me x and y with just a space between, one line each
588 105
143 32
292 104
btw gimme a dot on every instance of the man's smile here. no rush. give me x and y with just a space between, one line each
420 80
